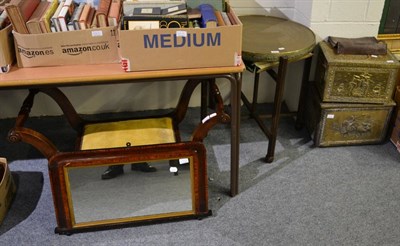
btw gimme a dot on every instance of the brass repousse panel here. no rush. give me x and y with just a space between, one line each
357 84
353 126
355 78
334 124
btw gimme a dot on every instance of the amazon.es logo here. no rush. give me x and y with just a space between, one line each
32 53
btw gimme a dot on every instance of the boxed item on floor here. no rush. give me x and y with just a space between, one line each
7 188
178 48
7 54
355 78
334 124
92 46
396 112
395 134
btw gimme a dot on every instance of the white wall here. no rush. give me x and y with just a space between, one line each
346 18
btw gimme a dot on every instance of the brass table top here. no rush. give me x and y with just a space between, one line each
266 38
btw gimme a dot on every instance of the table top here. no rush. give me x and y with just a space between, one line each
266 38
98 74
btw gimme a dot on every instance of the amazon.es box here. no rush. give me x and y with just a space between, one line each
182 47
7 54
92 46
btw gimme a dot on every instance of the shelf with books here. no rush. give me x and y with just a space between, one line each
32 17
145 14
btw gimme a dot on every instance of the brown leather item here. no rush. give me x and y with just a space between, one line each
358 46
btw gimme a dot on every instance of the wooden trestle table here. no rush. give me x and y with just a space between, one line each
61 76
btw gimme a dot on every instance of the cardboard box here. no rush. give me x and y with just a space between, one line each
395 133
93 46
178 48
395 136
396 111
7 188
397 95
7 54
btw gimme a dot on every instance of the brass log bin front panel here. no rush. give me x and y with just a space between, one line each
334 124
355 78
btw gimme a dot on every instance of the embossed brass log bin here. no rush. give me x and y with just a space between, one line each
355 78
334 124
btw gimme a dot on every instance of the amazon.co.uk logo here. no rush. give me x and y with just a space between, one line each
85 48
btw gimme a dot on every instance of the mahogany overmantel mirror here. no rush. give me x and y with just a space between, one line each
84 201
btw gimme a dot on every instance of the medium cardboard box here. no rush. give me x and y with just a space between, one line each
93 46
179 48
7 54
7 188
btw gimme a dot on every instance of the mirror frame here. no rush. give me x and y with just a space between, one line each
60 163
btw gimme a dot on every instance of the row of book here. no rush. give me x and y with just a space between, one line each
44 16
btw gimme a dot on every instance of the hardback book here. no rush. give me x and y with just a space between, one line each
208 18
163 21
94 21
4 3
114 14
54 23
217 4
73 23
65 14
147 11
86 18
232 18
33 24
226 18
45 19
174 10
220 19
102 13
3 20
193 13
19 13
129 6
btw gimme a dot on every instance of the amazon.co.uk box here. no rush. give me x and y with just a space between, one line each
180 48
92 46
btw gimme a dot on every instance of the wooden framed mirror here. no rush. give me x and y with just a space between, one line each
83 201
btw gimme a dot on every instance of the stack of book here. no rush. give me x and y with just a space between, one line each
154 14
35 16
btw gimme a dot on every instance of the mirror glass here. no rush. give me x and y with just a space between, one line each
134 193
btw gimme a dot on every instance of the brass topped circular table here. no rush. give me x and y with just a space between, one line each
269 42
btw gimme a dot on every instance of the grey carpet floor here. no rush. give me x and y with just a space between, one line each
308 196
